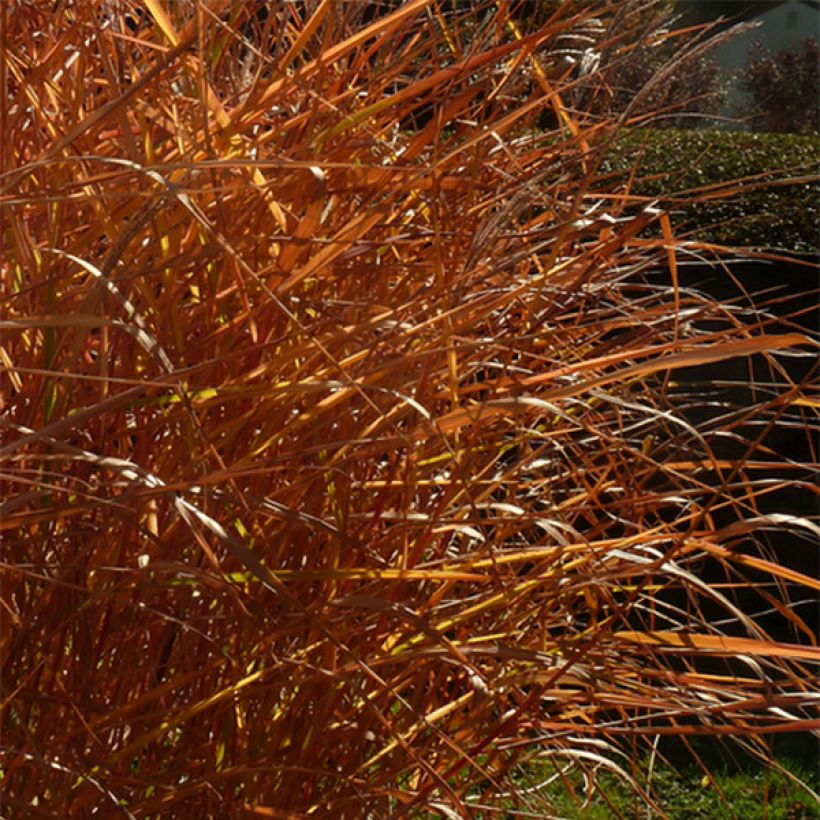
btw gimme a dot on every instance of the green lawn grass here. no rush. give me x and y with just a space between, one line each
684 794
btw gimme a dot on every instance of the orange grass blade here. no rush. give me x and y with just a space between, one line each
720 644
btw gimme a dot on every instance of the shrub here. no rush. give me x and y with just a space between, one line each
692 95
344 469
782 89
729 186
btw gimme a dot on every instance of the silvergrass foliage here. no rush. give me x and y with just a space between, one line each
349 456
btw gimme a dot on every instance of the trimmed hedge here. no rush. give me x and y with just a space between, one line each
673 163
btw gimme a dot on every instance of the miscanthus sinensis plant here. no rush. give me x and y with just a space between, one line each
349 461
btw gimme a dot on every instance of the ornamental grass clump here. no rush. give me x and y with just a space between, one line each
350 467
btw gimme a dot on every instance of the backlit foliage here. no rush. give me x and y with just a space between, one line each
349 463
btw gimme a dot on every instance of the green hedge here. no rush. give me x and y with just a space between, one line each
673 162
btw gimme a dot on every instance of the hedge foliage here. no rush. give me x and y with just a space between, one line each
754 205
